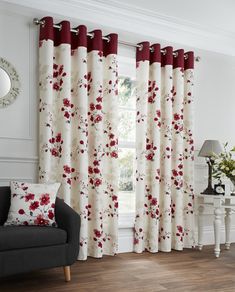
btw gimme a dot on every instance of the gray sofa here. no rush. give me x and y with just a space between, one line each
28 248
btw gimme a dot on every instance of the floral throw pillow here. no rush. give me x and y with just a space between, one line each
32 204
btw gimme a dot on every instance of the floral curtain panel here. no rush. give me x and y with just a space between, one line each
78 128
165 149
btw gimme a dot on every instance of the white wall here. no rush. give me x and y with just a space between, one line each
18 122
214 104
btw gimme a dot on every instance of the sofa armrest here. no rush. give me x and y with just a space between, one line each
68 220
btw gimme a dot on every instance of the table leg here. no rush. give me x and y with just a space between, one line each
200 227
217 227
227 228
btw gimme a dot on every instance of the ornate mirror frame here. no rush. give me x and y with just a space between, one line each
10 97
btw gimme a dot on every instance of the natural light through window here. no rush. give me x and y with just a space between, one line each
126 129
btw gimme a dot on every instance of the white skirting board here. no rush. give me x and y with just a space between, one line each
126 237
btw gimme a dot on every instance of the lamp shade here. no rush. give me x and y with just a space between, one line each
209 148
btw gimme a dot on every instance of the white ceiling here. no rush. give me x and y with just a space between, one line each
202 24
209 13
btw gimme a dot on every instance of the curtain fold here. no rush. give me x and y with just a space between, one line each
78 128
164 149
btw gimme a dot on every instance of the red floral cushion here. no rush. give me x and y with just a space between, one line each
32 204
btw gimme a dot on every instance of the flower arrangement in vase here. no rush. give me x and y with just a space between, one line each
224 166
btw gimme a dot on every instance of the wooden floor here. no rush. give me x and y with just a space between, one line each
190 270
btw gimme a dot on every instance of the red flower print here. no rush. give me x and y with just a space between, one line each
114 154
97 233
100 244
34 205
176 117
154 202
149 156
40 220
174 172
98 118
116 204
92 106
56 86
29 197
67 169
114 198
57 76
136 241
66 115
98 106
96 163
45 199
96 170
61 69
90 170
21 211
112 143
98 182
58 137
50 215
54 152
180 228
66 102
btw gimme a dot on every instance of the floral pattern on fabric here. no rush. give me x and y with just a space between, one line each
32 204
165 155
78 138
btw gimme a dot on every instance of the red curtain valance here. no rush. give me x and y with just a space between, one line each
65 36
165 56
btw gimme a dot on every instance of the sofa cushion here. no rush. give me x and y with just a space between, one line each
32 204
16 237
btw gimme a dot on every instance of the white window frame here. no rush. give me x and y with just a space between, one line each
127 68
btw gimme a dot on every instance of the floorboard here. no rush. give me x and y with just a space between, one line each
190 270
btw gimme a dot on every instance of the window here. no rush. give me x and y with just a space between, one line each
126 132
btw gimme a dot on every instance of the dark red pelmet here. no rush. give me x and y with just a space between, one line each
164 56
80 39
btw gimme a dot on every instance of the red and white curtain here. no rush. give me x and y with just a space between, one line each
78 128
165 149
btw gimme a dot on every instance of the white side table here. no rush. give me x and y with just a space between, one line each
220 204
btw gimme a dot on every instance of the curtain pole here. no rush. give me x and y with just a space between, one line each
37 21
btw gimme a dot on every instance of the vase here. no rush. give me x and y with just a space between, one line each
233 186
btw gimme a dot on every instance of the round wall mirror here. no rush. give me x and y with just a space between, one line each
9 83
5 83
